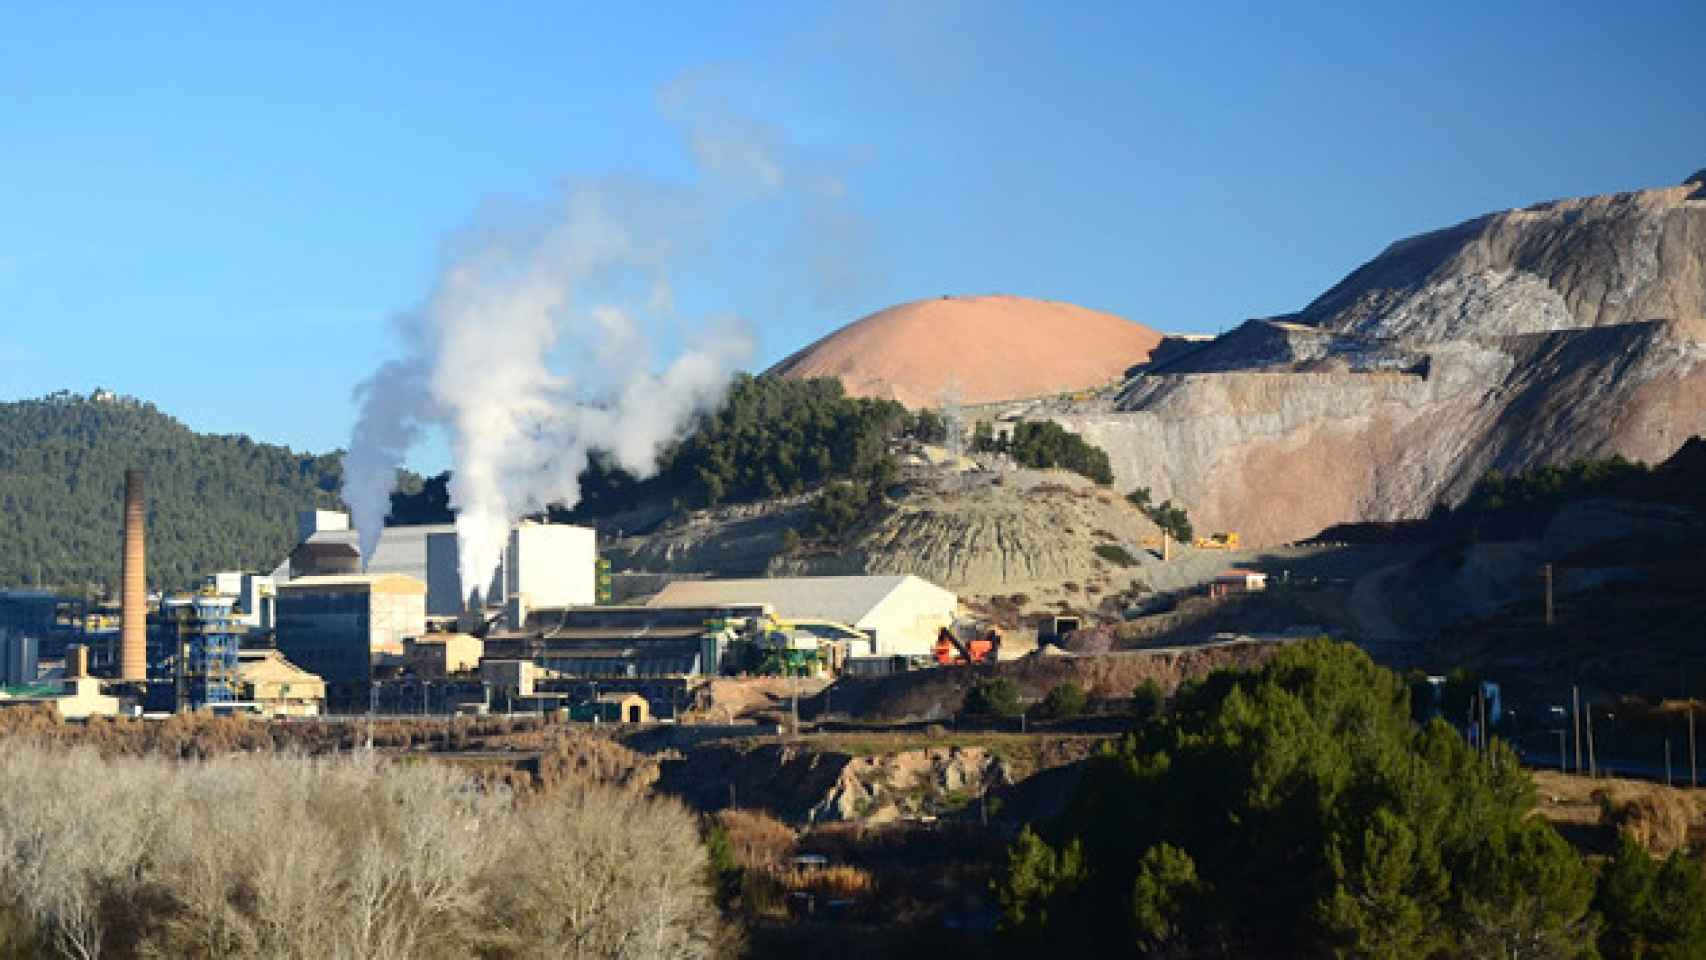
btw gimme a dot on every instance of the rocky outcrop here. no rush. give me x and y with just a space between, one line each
1584 262
912 783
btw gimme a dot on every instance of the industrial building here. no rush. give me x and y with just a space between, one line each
29 612
608 642
254 597
192 653
437 656
335 626
76 698
278 688
553 564
901 614
20 655
619 707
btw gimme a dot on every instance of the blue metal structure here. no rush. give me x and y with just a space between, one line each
193 661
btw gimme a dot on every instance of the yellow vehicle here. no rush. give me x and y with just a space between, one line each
1220 541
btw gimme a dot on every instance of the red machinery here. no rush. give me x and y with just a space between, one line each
967 644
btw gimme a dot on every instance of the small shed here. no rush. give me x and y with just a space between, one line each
1238 581
613 708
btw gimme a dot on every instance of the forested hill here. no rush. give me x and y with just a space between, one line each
214 502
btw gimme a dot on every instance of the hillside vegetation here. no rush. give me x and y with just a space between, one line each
1296 810
214 502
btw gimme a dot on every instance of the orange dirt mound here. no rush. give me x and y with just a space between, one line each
983 348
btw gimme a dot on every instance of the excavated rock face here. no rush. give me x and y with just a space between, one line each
1536 336
1586 262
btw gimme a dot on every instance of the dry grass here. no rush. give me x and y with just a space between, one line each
759 840
1657 819
1657 816
836 882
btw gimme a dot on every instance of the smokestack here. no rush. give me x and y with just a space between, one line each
133 631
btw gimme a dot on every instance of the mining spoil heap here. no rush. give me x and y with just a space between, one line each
975 349
1565 330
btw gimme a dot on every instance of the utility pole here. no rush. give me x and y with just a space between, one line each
1593 766
1563 752
1546 574
1576 719
1693 767
1486 731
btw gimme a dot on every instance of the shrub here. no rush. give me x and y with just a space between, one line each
1651 908
996 697
1172 520
1148 700
1043 445
1063 700
1115 554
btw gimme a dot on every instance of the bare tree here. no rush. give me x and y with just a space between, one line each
286 856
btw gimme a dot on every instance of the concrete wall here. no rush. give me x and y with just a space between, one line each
907 620
553 564
310 522
445 595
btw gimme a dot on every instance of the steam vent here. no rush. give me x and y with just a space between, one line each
133 635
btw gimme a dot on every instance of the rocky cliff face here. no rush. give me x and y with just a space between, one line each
1535 336
1586 262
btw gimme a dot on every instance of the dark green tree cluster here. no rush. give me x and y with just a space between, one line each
1171 519
1298 811
994 697
1063 701
1046 445
1551 484
770 437
928 426
1653 909
214 502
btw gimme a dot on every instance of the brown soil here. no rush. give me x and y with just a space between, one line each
984 348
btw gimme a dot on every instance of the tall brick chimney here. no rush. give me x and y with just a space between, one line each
133 630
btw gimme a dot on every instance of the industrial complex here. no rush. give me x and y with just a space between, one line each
330 631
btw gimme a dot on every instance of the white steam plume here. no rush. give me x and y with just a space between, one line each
535 348
540 343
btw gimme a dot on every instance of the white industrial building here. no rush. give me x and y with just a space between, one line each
902 614
554 565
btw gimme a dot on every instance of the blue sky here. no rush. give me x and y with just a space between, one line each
220 208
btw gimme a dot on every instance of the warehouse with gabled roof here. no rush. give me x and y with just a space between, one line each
901 613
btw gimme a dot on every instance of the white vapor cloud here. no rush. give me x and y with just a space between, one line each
547 337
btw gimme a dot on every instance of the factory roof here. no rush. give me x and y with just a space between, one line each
400 549
842 599
356 582
620 635
270 666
